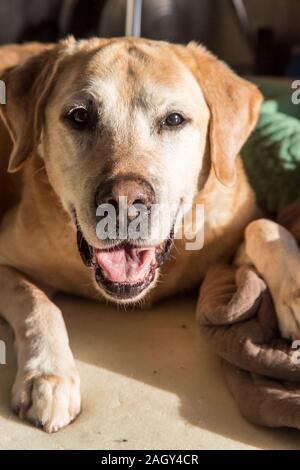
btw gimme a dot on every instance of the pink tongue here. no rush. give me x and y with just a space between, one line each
126 264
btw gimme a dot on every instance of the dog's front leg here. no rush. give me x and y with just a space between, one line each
274 252
47 387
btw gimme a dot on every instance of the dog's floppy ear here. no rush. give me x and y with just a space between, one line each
234 106
28 87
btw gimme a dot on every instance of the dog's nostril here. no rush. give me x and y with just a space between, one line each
139 202
114 204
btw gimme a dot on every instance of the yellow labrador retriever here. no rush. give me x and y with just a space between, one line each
85 124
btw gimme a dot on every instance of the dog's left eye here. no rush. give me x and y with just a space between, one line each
79 117
174 120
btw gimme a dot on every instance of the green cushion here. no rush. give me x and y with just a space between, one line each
272 153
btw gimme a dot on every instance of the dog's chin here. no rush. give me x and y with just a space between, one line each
124 272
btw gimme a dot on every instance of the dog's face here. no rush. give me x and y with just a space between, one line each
127 121
124 124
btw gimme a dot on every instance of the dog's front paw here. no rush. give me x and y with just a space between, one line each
49 401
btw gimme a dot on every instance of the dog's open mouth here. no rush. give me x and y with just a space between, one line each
125 270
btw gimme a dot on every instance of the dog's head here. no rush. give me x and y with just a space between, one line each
126 124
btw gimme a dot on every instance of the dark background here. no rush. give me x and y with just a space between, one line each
254 36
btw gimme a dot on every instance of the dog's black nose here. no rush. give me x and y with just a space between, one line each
128 192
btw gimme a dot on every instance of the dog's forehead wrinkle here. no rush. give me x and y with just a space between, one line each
142 60
116 55
139 54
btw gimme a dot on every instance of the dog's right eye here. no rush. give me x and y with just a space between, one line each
79 117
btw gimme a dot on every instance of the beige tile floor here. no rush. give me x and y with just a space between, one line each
148 382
